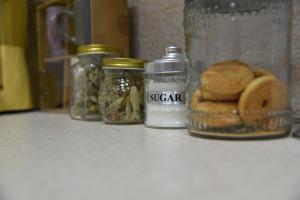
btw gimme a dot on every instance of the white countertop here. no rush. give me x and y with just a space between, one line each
51 157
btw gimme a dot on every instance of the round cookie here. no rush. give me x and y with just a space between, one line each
208 107
229 63
228 77
262 95
196 99
210 96
262 72
217 114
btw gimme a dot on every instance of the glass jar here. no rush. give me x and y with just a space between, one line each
86 79
239 68
121 96
165 84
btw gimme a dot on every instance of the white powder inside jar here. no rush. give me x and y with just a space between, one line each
165 104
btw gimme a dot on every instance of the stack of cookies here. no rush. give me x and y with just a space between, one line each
232 94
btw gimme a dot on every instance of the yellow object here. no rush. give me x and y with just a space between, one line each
15 91
123 63
13 22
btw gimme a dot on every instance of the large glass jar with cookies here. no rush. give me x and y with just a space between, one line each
239 68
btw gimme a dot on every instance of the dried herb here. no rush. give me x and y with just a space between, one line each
135 102
86 85
120 97
128 109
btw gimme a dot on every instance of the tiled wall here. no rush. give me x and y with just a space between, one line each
296 54
158 23
155 24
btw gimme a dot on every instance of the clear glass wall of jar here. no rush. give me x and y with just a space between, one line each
86 79
239 71
121 96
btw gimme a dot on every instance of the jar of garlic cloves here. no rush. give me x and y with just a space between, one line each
86 79
121 96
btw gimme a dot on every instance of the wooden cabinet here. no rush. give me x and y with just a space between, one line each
53 71
109 25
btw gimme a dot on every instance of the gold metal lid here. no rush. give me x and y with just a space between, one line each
123 63
96 48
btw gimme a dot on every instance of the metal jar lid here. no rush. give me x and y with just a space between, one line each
96 49
172 62
123 63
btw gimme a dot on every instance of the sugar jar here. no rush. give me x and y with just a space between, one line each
239 68
121 95
165 84
86 79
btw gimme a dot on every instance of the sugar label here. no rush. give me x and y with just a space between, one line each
166 97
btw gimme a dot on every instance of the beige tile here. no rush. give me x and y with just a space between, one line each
156 25
296 54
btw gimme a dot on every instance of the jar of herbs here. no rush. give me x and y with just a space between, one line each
121 96
86 79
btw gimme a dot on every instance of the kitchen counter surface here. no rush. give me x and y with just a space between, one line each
51 157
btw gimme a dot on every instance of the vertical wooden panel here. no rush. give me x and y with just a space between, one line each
109 23
1 78
49 90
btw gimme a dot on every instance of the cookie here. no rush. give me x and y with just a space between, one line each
228 77
262 96
196 99
262 72
211 96
217 114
